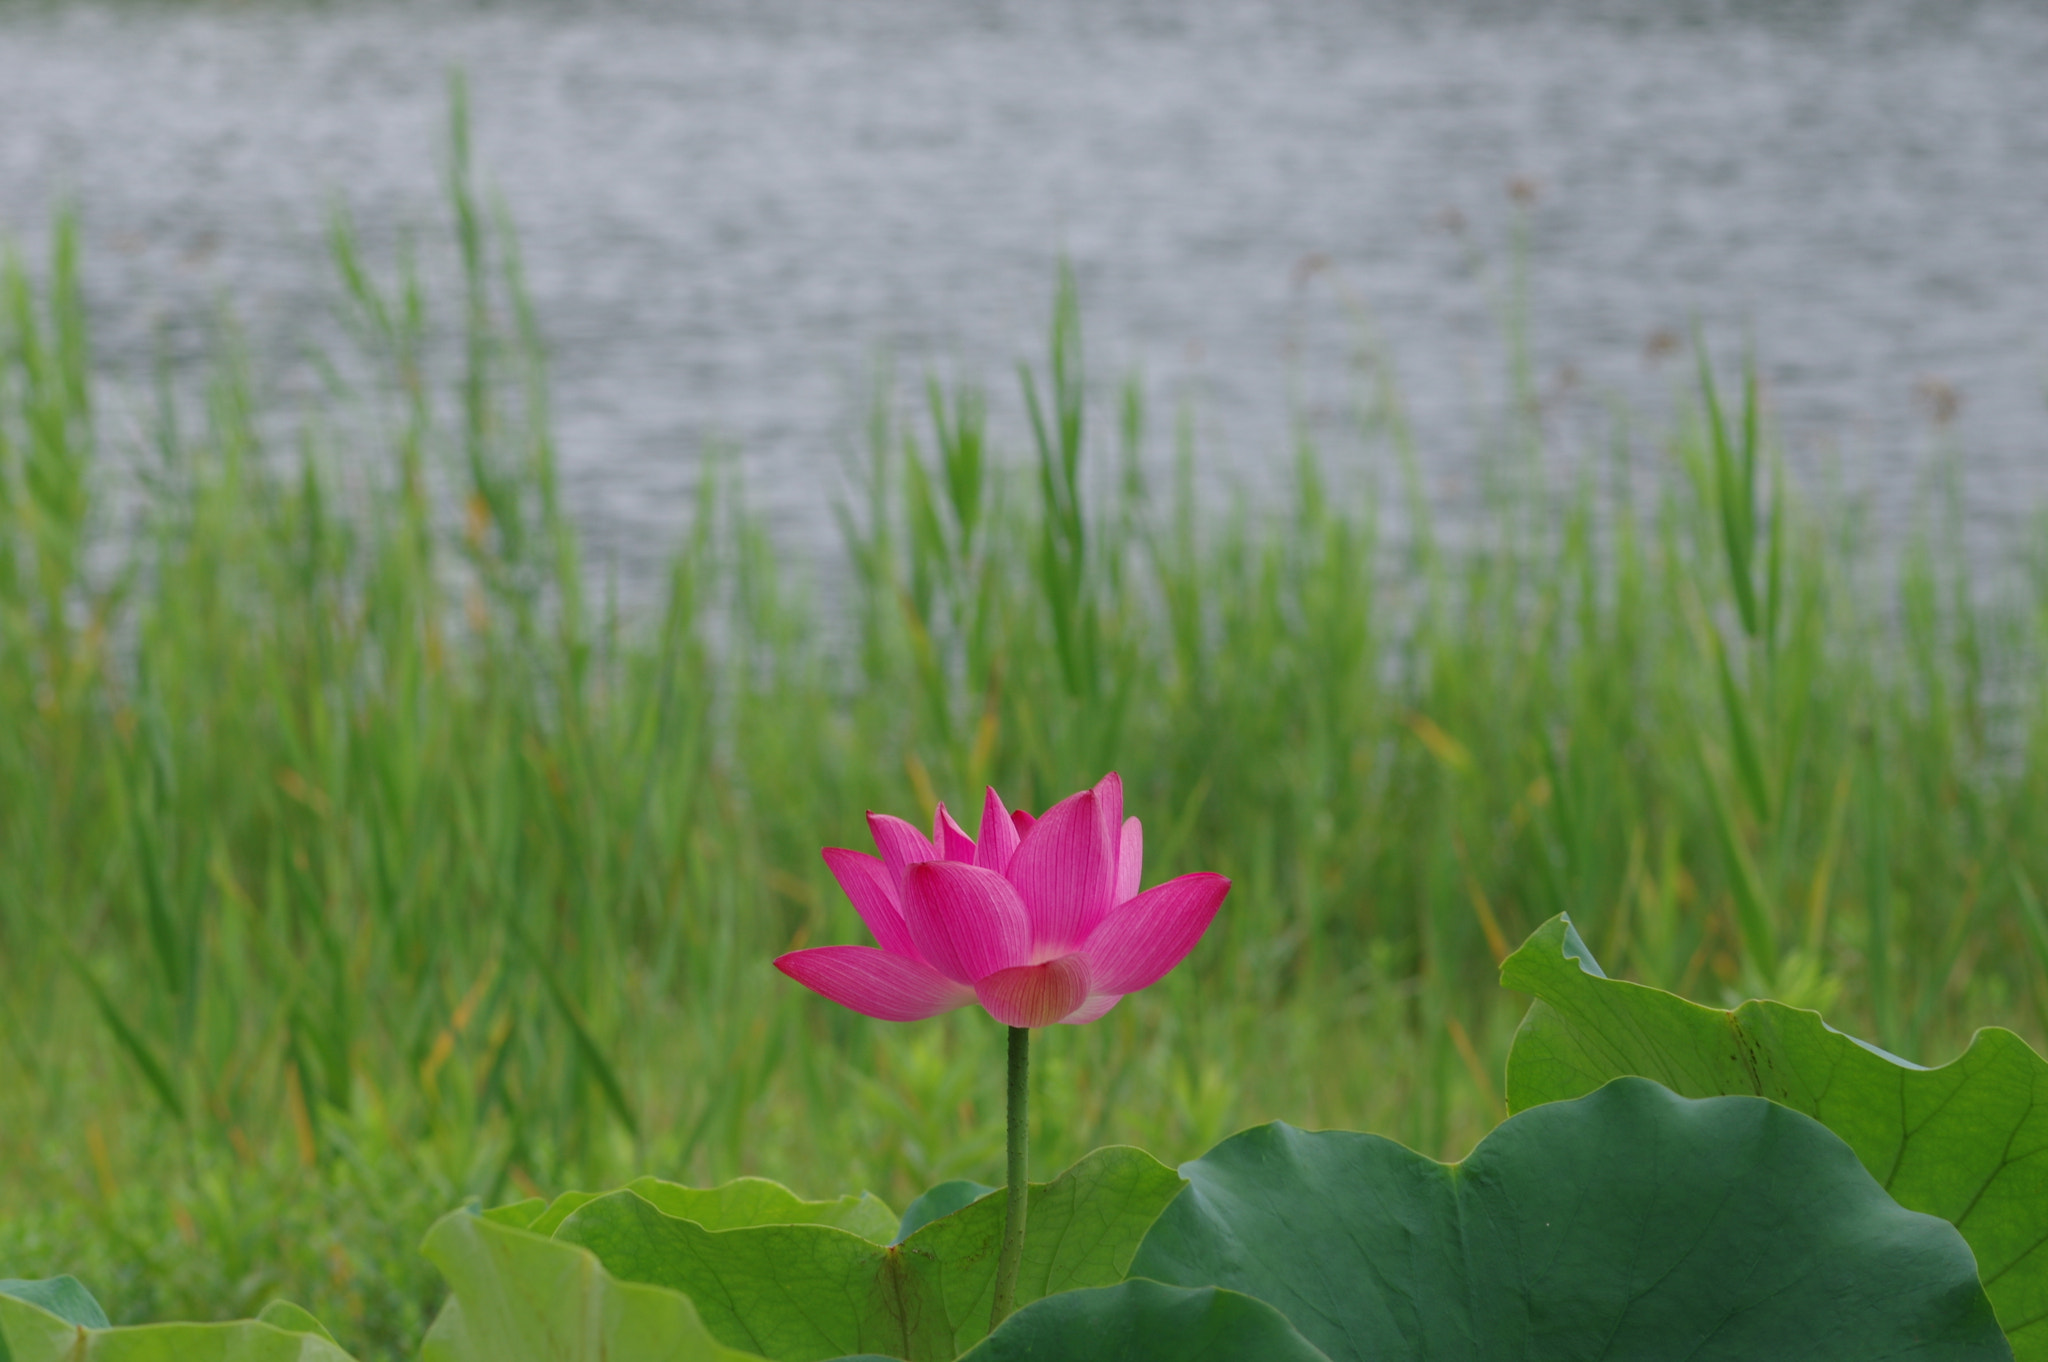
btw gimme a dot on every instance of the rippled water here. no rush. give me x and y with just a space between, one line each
728 210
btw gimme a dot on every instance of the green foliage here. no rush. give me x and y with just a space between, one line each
1964 1141
1630 1223
1631 1220
800 1292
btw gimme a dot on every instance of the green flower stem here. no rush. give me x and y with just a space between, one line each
1020 1189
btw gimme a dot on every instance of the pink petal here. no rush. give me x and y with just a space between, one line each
901 845
1065 871
948 837
1024 822
1035 995
999 835
1130 861
1092 1009
967 922
875 983
1141 940
1109 797
866 881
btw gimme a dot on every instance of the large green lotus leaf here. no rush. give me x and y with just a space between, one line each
799 1293
29 1333
745 1202
1139 1321
521 1298
1633 1223
1967 1141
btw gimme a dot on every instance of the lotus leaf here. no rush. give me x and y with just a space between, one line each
1633 1223
522 1298
65 1297
798 1293
1140 1321
941 1200
293 1318
30 1333
745 1202
1967 1141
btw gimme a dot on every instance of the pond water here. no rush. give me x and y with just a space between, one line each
729 210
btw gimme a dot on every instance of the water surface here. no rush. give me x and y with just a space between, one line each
729 210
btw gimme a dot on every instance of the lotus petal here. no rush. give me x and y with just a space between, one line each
1130 861
1065 870
868 884
999 835
1109 799
875 983
949 838
1023 822
1035 995
901 845
1141 940
967 922
1092 1010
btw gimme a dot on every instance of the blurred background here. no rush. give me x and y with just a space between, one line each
488 489
729 212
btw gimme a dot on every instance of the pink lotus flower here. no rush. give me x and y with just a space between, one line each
1040 921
